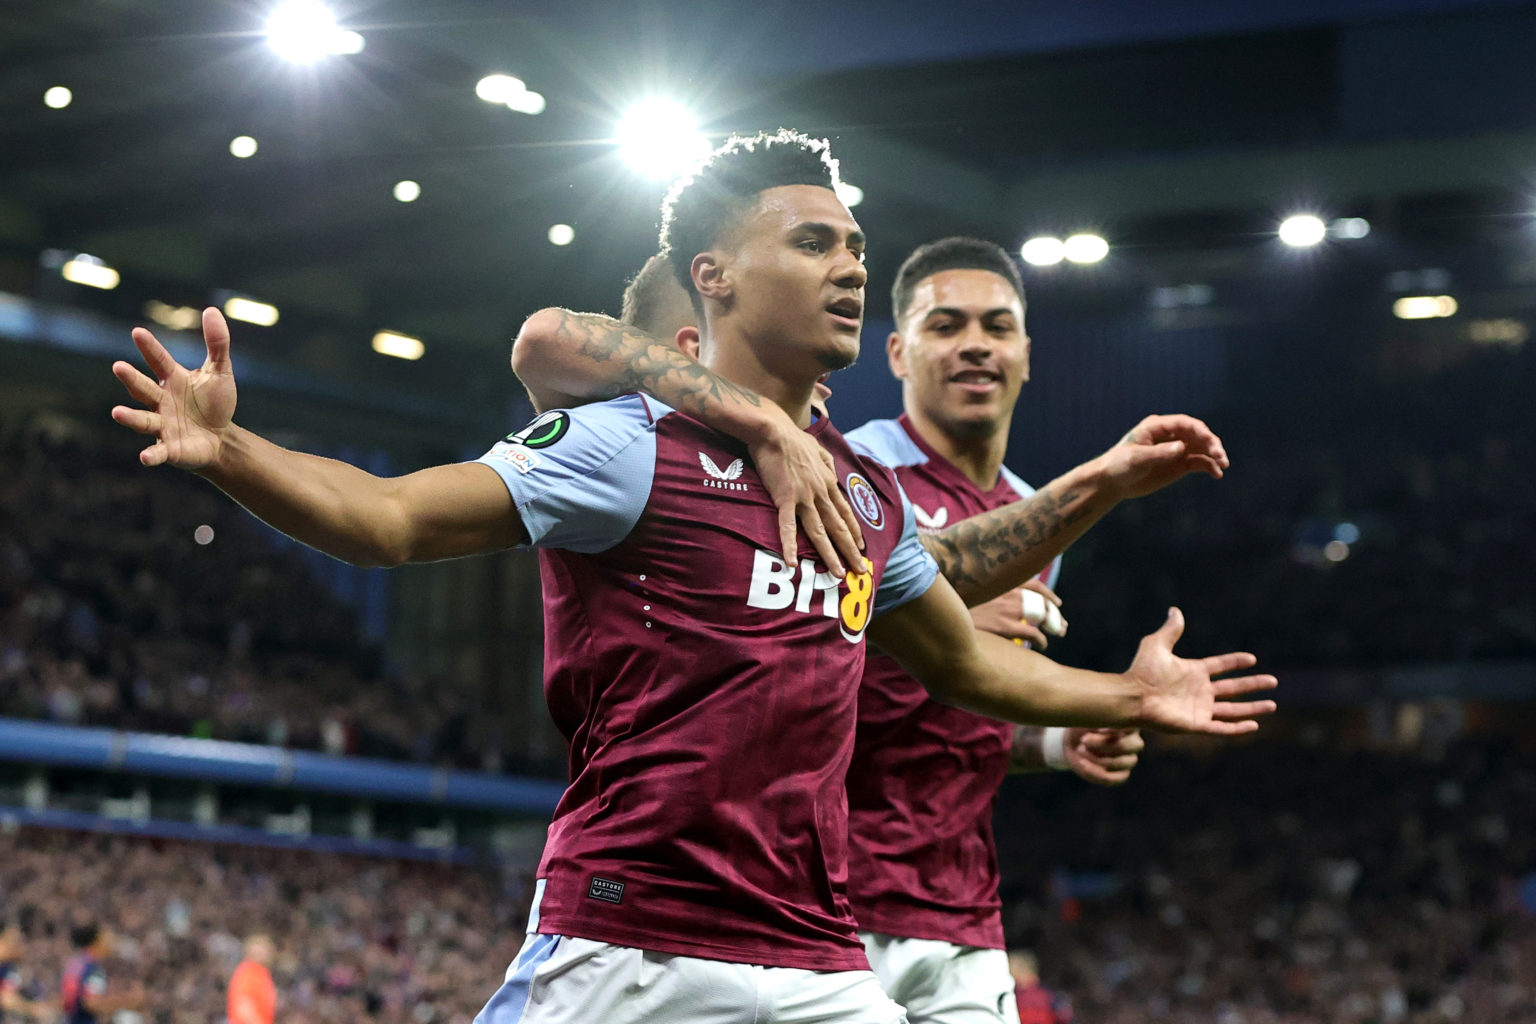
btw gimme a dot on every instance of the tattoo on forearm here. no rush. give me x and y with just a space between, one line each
642 362
971 552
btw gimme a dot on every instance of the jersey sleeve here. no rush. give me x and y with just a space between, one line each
910 570
581 478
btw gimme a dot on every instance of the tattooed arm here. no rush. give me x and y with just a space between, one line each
989 554
585 357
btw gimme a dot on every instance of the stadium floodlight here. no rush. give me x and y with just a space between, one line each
242 147
499 88
400 346
1302 230
561 234
1424 307
58 97
407 191
526 102
1350 228
1043 251
851 195
1085 248
303 31
91 272
660 138
177 318
250 311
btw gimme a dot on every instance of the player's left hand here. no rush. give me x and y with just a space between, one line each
1007 617
1104 757
1159 450
1183 695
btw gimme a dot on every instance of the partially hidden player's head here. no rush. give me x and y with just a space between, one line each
959 346
259 948
770 256
657 304
90 937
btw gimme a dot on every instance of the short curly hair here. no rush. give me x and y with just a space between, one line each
954 253
703 203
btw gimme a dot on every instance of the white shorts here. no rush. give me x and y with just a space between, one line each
942 983
560 980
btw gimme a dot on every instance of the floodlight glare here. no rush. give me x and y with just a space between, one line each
1085 248
303 31
250 311
1350 228
242 147
58 97
1043 251
1424 307
561 234
526 102
851 195
1302 230
177 318
401 346
407 191
91 272
659 138
499 88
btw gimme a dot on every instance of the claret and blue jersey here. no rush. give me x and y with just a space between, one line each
707 689
925 775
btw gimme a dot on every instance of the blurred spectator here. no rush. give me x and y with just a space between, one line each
252 996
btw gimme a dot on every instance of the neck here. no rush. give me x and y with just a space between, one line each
739 363
979 457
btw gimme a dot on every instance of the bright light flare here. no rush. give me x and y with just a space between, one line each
177 318
242 147
511 92
851 195
1350 228
58 97
407 191
91 272
250 311
1424 307
561 234
1303 230
400 346
1085 248
303 31
659 138
1043 251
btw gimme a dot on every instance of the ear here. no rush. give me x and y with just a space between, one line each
688 340
711 277
896 352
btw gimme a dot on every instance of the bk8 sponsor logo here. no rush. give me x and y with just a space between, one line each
776 586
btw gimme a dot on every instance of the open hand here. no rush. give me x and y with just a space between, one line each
1183 695
185 410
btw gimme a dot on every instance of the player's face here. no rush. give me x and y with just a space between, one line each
962 351
796 271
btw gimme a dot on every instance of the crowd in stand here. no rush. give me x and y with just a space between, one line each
1283 884
1275 883
112 614
356 939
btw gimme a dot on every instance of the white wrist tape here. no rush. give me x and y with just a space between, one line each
1053 748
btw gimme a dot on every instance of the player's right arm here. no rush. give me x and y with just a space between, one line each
441 512
587 357
933 638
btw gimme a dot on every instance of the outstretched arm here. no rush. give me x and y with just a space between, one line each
442 512
585 357
988 554
933 638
